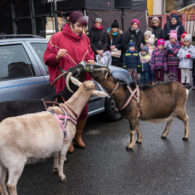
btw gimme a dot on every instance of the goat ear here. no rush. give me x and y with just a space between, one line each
75 81
100 93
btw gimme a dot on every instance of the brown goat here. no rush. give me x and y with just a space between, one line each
162 102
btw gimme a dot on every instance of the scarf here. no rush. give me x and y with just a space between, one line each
70 34
131 51
115 33
98 28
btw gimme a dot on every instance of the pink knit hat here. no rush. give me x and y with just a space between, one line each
173 34
161 42
135 20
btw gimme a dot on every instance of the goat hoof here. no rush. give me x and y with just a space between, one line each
64 180
185 139
138 142
129 149
163 137
55 170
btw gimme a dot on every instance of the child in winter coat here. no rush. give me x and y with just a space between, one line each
158 62
172 50
145 65
131 61
182 38
150 44
147 35
151 47
186 54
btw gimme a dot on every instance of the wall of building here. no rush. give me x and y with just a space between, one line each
158 7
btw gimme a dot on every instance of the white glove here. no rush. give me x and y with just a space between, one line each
169 46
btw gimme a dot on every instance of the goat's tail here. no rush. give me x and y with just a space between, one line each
3 174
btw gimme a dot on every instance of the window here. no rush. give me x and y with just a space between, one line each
40 49
14 62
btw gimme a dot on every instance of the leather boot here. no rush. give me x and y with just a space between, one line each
71 148
78 137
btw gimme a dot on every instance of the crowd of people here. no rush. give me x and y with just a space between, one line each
151 54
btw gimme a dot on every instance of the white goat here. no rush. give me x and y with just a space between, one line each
39 135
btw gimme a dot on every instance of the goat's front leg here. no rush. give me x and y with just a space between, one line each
56 162
133 125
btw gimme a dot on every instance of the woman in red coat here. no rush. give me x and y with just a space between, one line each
65 50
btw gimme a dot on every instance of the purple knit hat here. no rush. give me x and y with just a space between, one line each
77 16
135 20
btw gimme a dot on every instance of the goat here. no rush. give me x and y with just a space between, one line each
39 135
162 102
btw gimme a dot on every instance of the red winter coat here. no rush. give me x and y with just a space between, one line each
78 48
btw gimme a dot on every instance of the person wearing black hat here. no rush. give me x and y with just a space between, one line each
114 43
173 24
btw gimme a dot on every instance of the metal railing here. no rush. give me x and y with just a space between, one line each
190 24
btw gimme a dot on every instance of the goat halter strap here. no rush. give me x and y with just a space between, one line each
115 88
133 94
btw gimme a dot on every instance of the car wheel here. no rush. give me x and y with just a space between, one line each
111 111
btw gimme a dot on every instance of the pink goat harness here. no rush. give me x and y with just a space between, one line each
133 94
63 118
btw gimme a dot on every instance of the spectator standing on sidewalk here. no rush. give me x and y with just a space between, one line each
144 69
186 55
172 50
131 61
158 62
156 29
135 34
115 43
173 24
98 37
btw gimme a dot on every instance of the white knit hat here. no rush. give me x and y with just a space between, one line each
98 20
188 37
148 32
151 40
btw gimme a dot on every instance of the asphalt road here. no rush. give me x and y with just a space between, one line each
162 167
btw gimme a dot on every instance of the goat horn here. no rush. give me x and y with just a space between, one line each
57 78
100 93
67 81
75 81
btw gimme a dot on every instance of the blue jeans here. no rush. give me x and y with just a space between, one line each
145 77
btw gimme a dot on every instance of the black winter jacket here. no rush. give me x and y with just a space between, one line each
98 39
158 32
136 36
116 41
179 28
